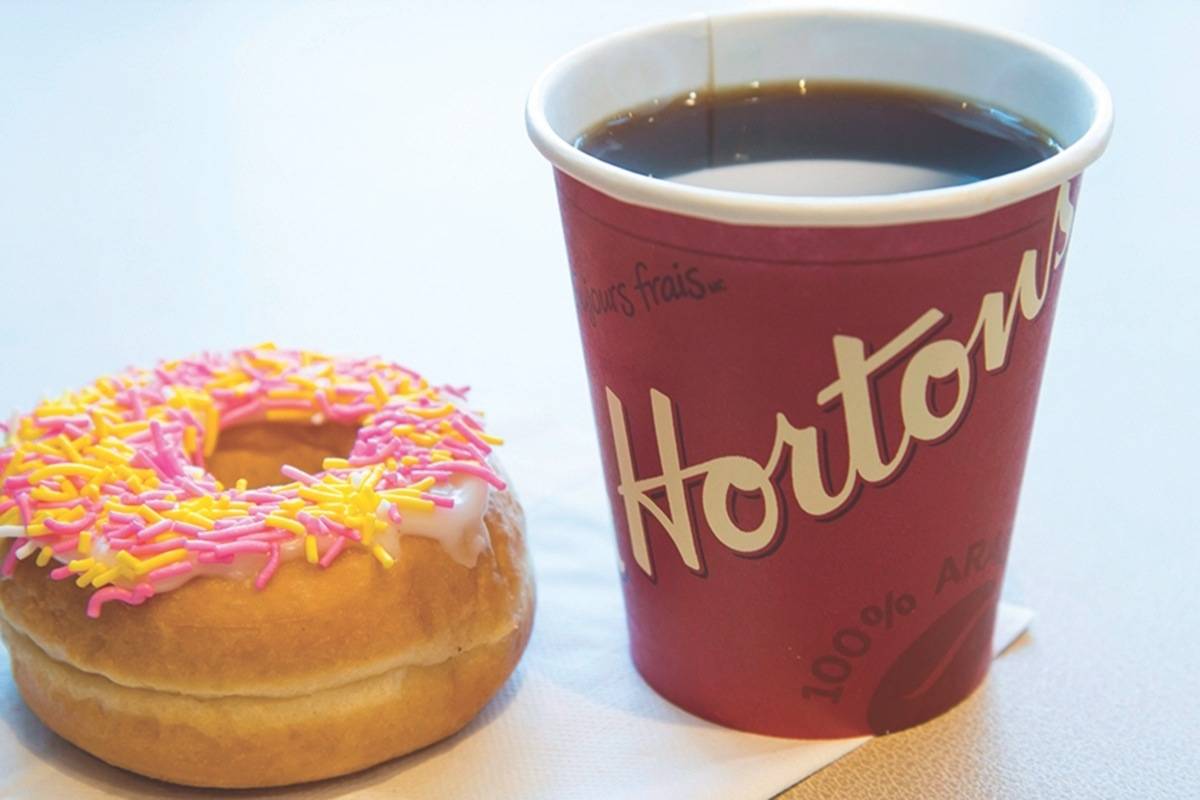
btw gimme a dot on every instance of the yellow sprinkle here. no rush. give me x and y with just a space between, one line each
71 514
85 542
81 564
335 463
80 470
300 380
190 517
384 556
161 560
129 561
432 413
36 529
413 504
127 429
276 521
87 577
310 549
289 394
189 439
44 494
68 448
318 495
373 478
240 484
487 437
288 415
106 454
381 394
106 577
212 426
44 556
56 410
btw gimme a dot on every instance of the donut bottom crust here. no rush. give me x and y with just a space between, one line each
240 741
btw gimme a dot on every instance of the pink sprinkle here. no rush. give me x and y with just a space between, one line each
457 449
268 569
339 543
439 474
153 549
22 501
352 412
135 403
156 432
241 413
170 571
61 573
478 471
260 497
150 531
67 544
311 523
439 500
297 474
199 544
471 436
233 548
10 560
269 536
394 515
83 523
233 531
287 405
139 595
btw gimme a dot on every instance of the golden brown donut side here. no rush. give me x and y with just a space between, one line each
244 741
240 742
309 629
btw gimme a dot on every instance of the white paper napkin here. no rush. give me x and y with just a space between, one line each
575 722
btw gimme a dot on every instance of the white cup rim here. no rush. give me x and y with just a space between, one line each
742 208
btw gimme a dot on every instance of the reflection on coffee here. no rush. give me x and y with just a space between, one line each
809 137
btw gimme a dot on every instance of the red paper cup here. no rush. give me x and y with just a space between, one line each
814 412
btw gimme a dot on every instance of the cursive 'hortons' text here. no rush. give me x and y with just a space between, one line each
853 388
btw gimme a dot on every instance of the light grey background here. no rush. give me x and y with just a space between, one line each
355 177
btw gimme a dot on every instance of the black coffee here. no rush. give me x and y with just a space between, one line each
818 137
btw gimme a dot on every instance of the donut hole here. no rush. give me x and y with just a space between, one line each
257 451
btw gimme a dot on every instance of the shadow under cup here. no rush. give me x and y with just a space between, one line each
814 412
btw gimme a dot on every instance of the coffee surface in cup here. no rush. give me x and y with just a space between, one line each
810 137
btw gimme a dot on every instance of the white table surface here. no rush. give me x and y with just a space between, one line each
181 176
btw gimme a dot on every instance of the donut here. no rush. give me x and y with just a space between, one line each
259 568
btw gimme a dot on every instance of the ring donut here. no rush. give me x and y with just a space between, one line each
236 634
